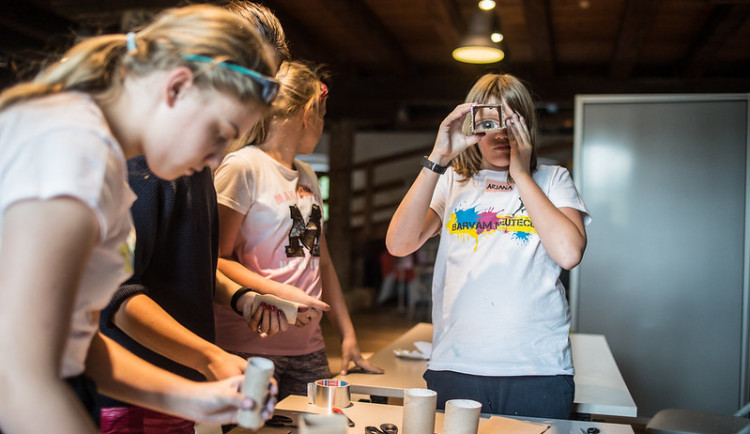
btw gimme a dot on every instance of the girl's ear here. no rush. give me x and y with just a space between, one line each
308 116
178 80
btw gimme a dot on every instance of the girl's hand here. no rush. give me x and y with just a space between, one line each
450 139
266 319
350 353
306 317
291 293
217 402
223 365
520 143
272 321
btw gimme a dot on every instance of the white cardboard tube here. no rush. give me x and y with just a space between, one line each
419 411
461 416
257 378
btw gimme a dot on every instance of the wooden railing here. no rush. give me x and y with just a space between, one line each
371 228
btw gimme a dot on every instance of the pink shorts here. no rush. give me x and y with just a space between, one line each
137 420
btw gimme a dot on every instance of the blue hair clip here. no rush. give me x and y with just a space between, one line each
130 42
269 87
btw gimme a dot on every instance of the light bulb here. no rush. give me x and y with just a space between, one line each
486 5
478 54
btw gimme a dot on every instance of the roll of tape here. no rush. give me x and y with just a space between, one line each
329 393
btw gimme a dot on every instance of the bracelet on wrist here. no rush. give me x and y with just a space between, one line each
433 166
236 298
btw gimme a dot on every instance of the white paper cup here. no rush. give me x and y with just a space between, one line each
419 411
461 416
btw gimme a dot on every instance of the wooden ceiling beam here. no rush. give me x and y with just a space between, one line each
636 23
539 29
303 41
722 23
374 34
34 22
446 16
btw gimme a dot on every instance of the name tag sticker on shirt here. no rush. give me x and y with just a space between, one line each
493 185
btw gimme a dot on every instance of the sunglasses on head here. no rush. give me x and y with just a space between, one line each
269 87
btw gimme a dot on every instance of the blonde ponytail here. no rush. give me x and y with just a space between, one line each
98 65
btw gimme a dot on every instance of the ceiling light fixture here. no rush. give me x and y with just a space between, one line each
477 45
486 5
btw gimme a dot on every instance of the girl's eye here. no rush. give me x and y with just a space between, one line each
488 124
223 139
222 135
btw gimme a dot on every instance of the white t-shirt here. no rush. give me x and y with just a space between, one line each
499 308
61 145
279 239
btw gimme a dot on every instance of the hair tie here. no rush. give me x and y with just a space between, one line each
130 38
323 91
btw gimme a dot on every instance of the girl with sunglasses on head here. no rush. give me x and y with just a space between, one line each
178 91
507 226
272 239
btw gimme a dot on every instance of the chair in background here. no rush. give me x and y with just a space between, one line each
396 273
410 279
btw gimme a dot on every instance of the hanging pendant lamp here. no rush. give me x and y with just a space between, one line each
477 46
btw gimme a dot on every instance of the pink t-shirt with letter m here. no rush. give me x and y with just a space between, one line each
279 239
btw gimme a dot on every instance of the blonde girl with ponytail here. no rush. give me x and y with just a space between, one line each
178 91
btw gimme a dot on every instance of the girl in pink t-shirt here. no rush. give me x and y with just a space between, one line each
271 236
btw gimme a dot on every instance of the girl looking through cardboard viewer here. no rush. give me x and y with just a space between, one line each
500 316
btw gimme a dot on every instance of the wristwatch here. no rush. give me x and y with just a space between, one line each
433 166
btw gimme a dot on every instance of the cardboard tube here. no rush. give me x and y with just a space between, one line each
257 378
461 416
419 411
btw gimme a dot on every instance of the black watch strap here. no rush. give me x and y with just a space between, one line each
236 298
433 166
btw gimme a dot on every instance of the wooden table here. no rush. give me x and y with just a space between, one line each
600 388
364 413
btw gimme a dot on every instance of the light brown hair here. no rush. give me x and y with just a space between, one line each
300 90
515 93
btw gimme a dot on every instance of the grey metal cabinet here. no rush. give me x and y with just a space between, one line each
665 274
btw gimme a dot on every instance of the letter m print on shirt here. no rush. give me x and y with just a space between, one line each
304 235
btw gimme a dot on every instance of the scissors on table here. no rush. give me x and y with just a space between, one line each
338 411
385 428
